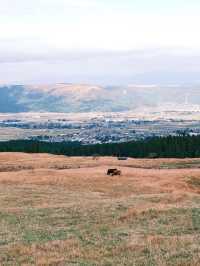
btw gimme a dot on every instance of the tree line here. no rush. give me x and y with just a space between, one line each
171 146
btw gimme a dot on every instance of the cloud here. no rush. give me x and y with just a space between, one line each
142 66
97 39
94 25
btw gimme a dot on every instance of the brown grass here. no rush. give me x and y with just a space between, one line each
57 210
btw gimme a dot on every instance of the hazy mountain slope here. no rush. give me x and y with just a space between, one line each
86 98
10 99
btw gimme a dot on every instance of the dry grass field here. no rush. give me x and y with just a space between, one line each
57 210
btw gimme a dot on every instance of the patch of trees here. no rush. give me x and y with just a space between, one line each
171 146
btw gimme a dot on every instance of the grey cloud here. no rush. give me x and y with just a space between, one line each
148 66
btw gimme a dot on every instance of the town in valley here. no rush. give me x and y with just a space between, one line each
97 128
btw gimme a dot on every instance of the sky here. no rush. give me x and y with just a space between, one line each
99 41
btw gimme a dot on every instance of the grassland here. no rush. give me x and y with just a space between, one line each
57 210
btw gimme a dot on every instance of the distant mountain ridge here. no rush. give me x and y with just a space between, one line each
89 98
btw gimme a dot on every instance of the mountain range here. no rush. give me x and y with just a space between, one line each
88 98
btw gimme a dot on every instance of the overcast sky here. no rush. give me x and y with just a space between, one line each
99 41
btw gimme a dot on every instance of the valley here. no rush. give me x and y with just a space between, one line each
92 114
93 128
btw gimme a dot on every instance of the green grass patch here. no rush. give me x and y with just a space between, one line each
180 165
100 231
194 182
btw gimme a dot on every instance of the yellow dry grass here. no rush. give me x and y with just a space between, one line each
57 210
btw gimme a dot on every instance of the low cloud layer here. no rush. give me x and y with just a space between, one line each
107 68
